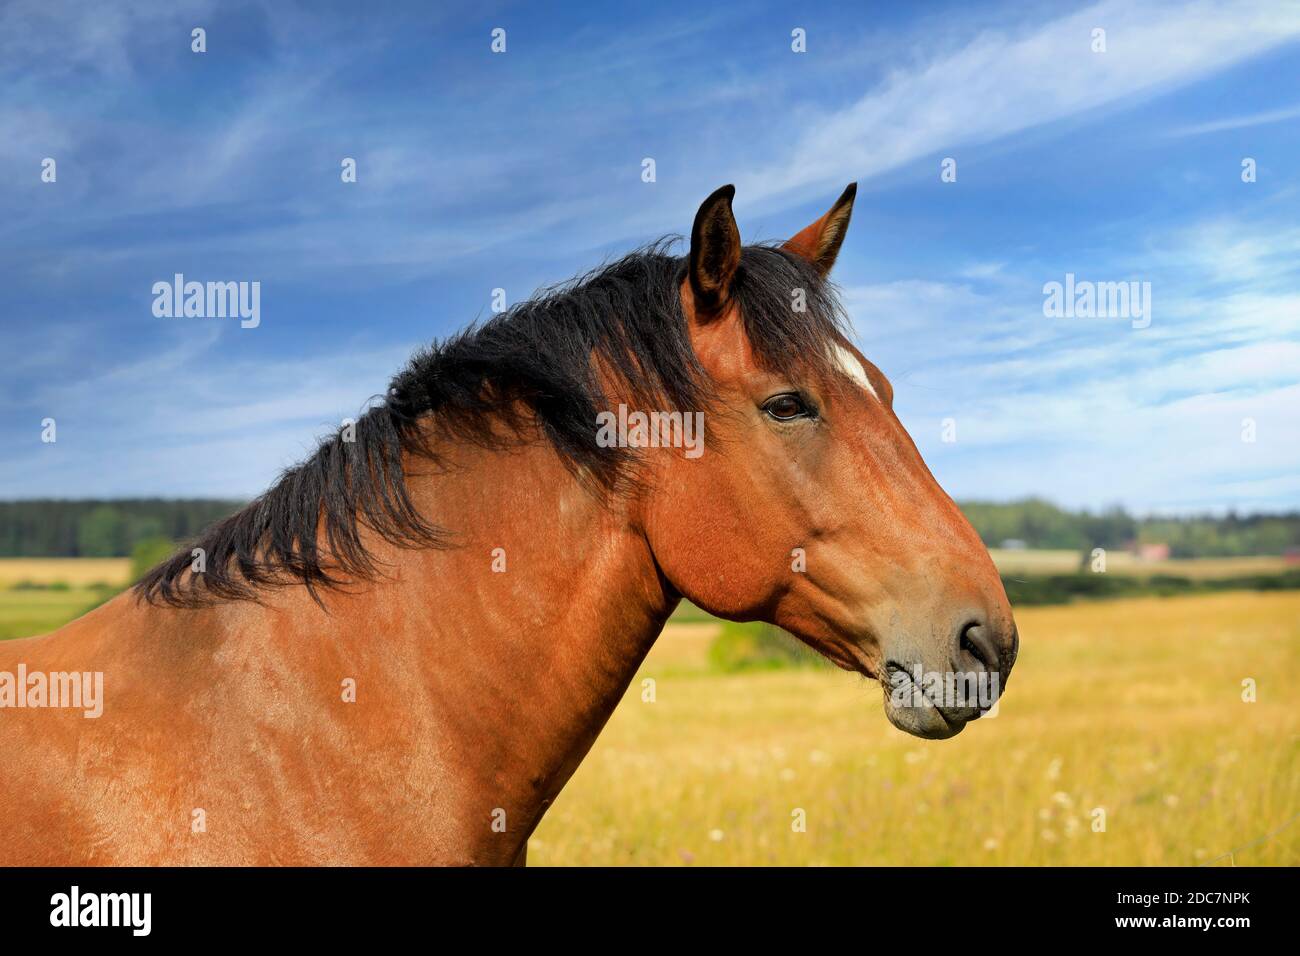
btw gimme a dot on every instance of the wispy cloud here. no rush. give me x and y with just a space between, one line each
1239 122
234 424
1151 417
478 171
999 83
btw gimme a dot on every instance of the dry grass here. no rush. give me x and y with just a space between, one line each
1121 562
76 572
1130 706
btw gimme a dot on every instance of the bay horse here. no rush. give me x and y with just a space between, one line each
400 652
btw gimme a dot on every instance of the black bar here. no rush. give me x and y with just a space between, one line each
938 906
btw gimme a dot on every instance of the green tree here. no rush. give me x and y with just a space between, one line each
148 553
101 533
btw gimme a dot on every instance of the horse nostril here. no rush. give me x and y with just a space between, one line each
974 639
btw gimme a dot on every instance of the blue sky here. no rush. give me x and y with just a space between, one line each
479 170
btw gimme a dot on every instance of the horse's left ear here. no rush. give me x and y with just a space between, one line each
820 243
715 252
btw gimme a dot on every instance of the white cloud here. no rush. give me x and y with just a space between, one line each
1239 122
192 420
1094 412
1089 413
1002 82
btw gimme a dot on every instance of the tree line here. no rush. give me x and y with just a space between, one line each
101 529
113 528
1041 524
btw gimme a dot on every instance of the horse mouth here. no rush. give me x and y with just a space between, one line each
918 715
926 719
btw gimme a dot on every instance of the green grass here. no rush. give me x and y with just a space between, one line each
24 612
1024 590
688 613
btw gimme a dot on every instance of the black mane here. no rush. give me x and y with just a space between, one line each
537 363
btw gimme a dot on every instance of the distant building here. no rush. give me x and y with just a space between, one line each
1292 555
1014 544
1152 552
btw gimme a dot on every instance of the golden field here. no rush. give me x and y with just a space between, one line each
1121 562
1134 707
64 588
116 571
76 572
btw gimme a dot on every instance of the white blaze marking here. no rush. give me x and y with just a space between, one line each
850 366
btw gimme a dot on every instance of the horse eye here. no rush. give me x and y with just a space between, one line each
786 407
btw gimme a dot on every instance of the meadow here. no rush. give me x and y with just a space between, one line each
24 612
40 594
1131 707
1048 561
74 572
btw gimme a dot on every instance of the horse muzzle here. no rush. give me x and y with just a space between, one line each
936 695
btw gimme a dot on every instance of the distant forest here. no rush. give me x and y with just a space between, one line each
101 529
62 529
1041 524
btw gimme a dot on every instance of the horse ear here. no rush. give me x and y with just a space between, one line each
715 251
820 243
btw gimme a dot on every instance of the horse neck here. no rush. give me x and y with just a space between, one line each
517 642
482 671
